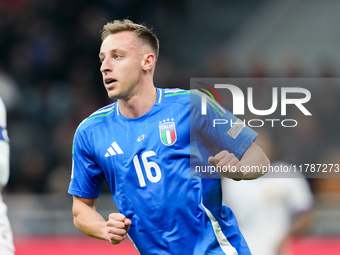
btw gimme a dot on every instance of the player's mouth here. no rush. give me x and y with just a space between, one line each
109 82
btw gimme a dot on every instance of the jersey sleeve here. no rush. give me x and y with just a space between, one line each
219 126
86 177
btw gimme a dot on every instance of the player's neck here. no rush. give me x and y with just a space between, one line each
139 103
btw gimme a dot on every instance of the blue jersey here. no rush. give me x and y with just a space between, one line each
146 162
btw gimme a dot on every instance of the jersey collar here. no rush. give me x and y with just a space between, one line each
159 99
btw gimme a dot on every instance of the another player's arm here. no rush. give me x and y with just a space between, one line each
88 220
4 162
254 157
4 147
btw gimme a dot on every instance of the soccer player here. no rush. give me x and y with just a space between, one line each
143 147
270 210
6 236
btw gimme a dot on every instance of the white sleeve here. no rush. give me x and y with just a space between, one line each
4 147
300 198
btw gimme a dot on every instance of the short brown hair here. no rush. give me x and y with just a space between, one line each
142 32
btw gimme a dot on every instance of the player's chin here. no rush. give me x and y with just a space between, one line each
112 94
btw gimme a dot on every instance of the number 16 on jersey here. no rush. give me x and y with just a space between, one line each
147 165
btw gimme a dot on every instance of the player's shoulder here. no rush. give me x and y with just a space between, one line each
98 117
176 95
181 96
187 98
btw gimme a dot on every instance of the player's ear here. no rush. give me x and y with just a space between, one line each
148 61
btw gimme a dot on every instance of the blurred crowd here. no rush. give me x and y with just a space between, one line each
50 81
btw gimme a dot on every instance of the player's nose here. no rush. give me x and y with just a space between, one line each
106 66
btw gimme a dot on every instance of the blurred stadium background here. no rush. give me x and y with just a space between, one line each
50 81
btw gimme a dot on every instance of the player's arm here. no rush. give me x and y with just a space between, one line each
252 164
4 147
88 220
4 162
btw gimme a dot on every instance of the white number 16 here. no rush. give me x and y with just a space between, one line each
147 166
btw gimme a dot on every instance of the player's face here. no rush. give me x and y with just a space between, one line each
121 68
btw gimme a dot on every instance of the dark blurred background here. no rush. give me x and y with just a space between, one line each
50 79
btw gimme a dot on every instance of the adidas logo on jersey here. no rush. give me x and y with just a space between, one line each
114 149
